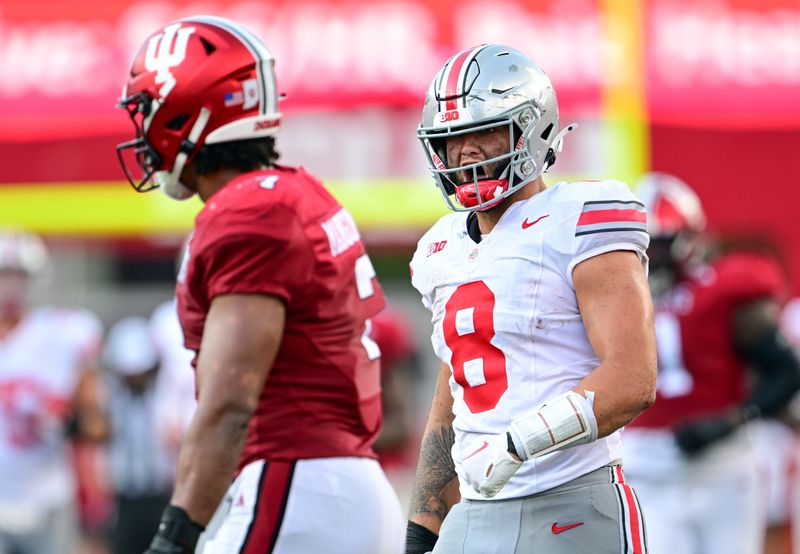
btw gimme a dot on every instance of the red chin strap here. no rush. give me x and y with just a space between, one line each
488 190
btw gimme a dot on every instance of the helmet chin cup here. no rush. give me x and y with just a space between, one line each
490 192
172 187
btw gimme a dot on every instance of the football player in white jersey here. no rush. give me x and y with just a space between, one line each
543 322
47 392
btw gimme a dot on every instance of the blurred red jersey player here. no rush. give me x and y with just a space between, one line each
396 446
689 456
275 294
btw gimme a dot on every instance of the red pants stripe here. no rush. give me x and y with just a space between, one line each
273 492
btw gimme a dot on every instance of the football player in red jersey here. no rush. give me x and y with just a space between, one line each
274 294
399 360
690 456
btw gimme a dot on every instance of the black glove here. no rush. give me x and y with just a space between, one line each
419 539
177 534
695 436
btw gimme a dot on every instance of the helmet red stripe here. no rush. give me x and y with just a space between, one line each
451 90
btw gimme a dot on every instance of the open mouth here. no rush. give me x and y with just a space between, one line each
470 175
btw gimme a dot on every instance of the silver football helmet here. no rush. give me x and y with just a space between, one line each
483 88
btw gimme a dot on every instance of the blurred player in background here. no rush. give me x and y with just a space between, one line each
142 404
397 445
777 445
790 482
391 332
690 455
274 295
542 320
49 393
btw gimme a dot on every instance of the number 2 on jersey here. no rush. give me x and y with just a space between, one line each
365 273
478 366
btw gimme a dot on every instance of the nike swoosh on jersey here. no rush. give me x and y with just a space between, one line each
481 447
526 223
556 529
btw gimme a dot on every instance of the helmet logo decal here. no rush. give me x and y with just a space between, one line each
250 88
448 116
247 97
165 51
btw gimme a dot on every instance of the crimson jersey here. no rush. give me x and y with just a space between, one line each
699 371
279 232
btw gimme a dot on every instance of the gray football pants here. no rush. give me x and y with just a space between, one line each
596 513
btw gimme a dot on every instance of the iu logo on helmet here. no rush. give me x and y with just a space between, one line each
165 51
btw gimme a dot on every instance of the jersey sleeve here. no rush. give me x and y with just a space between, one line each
608 218
419 279
258 251
749 276
421 268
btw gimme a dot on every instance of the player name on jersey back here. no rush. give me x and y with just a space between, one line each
341 231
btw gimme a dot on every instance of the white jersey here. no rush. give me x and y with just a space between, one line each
506 319
40 366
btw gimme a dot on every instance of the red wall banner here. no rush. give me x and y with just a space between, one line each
720 63
69 64
733 63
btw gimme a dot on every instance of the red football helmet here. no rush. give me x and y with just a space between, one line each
200 80
672 205
675 220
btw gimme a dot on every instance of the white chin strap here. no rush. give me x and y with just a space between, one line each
169 181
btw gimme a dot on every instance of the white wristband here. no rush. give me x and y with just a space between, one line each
565 421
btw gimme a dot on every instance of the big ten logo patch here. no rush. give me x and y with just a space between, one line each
452 115
435 247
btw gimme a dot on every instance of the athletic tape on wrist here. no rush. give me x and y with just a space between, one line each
565 421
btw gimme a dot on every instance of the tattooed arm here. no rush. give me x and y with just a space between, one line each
436 484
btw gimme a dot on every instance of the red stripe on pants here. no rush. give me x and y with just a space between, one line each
633 510
273 492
